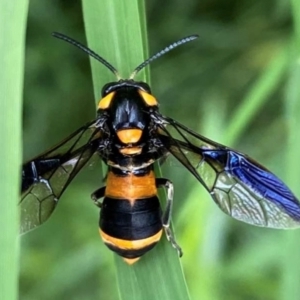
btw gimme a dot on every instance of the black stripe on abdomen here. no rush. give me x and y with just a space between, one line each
127 220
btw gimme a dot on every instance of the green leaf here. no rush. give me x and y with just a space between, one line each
290 288
12 31
117 31
257 96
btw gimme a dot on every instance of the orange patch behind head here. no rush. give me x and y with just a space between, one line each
149 99
105 102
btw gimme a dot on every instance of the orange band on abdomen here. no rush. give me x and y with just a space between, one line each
130 187
130 245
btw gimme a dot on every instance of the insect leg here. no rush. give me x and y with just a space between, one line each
98 194
167 215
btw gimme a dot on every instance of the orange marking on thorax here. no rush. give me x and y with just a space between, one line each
129 136
131 150
130 187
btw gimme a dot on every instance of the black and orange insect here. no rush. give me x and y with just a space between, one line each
129 135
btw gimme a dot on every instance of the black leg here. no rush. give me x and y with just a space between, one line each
98 194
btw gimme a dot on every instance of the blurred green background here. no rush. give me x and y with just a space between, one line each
235 85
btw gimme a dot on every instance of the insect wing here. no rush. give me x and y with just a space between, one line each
241 187
45 178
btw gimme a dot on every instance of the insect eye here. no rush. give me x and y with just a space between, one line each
104 103
148 98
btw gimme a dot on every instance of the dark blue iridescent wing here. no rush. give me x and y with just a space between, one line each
45 178
241 187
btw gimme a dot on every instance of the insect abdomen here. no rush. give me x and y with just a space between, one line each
130 219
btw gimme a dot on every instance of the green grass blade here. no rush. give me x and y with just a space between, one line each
295 6
123 45
117 31
291 272
257 96
12 31
290 288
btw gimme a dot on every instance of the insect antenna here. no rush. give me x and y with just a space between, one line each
88 51
162 52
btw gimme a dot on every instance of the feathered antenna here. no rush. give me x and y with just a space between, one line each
88 51
139 67
162 52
